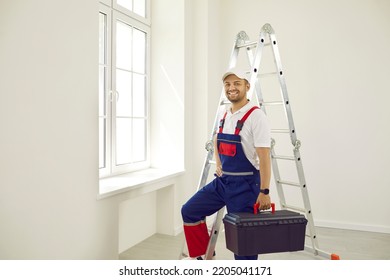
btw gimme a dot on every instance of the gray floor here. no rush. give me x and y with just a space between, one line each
348 244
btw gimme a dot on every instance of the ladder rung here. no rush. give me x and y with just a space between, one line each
280 131
273 103
289 183
302 210
264 75
283 157
248 44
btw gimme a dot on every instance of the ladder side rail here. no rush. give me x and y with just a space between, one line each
210 149
210 153
214 233
257 88
254 80
294 141
274 162
275 167
283 87
206 169
250 55
306 201
251 60
255 70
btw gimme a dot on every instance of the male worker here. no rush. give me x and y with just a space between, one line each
243 167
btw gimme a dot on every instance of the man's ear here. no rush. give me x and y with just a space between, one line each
248 86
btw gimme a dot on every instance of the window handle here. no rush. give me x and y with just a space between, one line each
114 93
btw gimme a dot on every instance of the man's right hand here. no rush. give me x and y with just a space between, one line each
218 170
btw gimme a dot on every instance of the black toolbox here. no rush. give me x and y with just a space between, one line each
265 232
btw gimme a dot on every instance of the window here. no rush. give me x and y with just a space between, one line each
124 35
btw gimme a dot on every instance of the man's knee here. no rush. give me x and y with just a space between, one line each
184 211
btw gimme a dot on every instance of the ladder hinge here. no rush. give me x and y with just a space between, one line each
297 145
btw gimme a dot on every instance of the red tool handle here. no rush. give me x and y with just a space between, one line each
257 205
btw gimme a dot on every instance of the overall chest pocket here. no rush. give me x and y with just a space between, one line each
227 149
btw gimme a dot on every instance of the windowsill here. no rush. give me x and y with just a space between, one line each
130 181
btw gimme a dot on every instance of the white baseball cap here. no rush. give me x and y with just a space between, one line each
237 72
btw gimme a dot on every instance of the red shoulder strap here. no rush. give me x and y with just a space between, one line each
222 122
240 123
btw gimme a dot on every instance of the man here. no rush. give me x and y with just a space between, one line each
243 168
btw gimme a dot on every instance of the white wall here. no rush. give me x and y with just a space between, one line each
48 143
333 53
49 179
167 78
49 146
335 62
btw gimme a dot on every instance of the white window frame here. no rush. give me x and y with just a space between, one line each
145 20
106 170
112 15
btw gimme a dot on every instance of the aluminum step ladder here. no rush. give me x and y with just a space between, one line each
255 53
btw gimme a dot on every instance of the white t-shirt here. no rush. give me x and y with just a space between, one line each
255 132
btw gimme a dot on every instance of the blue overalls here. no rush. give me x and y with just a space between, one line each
238 189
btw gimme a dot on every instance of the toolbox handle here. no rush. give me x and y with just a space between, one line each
257 205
